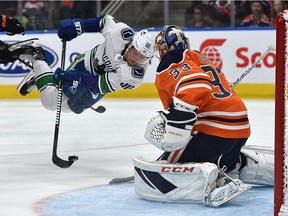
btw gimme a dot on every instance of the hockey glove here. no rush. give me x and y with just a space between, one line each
11 26
69 29
171 129
78 79
5 54
180 114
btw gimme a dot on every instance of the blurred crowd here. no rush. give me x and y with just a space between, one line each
246 13
44 15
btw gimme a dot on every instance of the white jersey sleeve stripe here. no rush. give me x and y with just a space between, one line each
221 113
188 77
222 126
193 86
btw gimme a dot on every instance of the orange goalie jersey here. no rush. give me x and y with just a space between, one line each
192 78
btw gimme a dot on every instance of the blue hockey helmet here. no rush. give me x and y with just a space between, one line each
170 38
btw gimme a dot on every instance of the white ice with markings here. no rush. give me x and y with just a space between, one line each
31 185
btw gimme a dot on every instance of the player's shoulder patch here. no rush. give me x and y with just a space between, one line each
127 33
138 72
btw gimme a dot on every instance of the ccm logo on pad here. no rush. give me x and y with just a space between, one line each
177 169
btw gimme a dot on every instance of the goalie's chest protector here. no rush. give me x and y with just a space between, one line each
197 81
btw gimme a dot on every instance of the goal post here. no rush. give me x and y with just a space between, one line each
281 77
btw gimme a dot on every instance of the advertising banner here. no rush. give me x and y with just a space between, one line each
233 51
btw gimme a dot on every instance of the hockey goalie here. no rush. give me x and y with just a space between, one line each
202 131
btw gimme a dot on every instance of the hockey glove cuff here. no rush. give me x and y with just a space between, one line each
69 29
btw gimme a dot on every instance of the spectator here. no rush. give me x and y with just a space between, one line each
221 11
257 16
54 11
13 12
199 20
31 10
189 14
84 9
33 4
277 7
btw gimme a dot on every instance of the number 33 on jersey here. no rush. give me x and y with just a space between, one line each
197 81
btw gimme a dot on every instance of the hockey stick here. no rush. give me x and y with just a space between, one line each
270 48
121 180
25 63
99 109
57 160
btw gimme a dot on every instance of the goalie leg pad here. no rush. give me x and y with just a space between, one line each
185 183
259 167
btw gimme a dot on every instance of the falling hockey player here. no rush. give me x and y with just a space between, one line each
202 130
120 62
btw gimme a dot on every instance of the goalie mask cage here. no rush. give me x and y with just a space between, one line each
281 128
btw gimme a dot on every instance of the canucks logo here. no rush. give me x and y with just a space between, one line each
138 72
18 69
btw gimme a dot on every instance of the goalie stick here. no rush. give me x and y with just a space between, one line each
269 48
55 159
121 180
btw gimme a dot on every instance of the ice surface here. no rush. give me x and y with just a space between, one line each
31 184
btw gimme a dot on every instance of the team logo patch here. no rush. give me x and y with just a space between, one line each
73 88
138 72
127 33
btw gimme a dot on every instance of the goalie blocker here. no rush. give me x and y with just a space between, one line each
185 183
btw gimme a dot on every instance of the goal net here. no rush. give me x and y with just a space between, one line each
281 127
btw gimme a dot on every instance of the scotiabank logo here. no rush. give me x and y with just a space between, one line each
208 49
244 56
247 59
18 69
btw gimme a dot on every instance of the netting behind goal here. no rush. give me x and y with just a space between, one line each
281 105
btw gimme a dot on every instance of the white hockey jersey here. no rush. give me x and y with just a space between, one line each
109 56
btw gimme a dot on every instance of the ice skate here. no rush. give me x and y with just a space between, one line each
28 50
28 84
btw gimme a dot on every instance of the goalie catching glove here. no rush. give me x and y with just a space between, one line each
171 129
